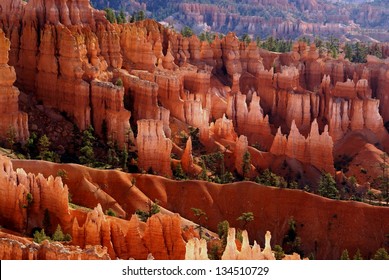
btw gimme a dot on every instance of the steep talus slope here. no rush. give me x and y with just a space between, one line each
326 227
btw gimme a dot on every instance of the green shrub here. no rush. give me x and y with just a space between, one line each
58 234
40 236
119 82
278 252
345 255
111 212
153 208
381 254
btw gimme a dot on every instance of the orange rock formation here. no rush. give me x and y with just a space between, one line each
153 147
347 230
12 122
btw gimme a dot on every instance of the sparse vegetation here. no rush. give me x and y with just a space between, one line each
201 218
327 186
119 82
40 236
357 255
60 236
111 212
291 242
222 231
246 165
87 153
381 254
29 198
344 255
246 218
269 178
153 208
178 173
187 31
63 174
279 253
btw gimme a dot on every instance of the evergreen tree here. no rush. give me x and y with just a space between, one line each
222 231
246 165
246 38
344 255
110 15
140 16
153 208
44 144
384 177
348 52
201 217
87 153
278 252
179 173
381 254
40 236
291 242
58 234
360 53
357 255
327 186
187 32
246 217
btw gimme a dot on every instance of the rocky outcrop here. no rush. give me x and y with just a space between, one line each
241 146
137 49
187 158
62 48
31 196
11 249
153 147
36 199
316 149
250 121
109 115
231 59
13 123
223 128
247 252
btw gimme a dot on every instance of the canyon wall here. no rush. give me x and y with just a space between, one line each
14 124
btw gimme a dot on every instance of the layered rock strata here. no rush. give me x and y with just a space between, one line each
154 148
13 122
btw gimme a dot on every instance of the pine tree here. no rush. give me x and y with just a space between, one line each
327 186
87 153
357 255
344 255
187 32
384 177
58 235
246 217
110 15
381 254
246 165
201 217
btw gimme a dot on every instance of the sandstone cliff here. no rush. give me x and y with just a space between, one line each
13 123
153 147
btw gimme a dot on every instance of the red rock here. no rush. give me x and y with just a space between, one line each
108 109
223 128
187 158
154 148
316 149
12 121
